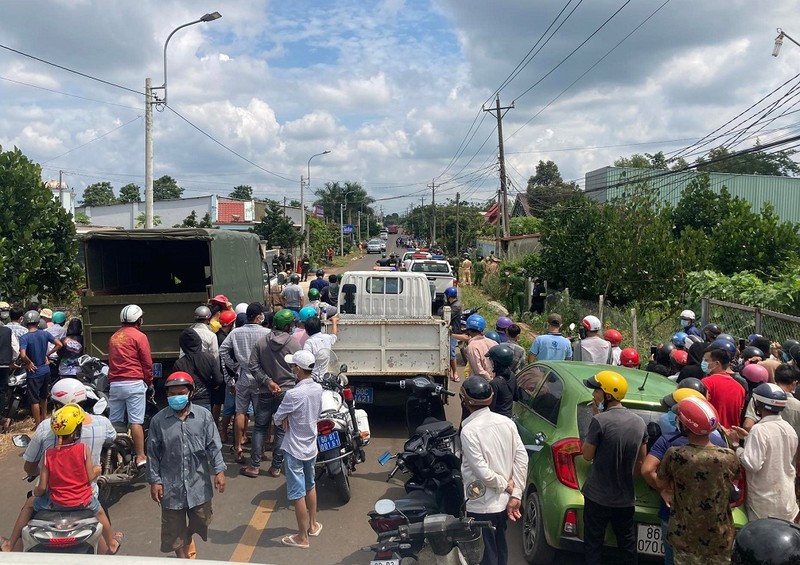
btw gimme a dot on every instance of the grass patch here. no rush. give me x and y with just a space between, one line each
473 297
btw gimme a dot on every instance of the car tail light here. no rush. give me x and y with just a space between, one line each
571 523
741 484
347 394
455 283
325 426
564 454
386 523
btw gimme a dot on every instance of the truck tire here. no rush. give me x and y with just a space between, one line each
343 483
534 544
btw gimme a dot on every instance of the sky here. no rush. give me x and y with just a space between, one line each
394 89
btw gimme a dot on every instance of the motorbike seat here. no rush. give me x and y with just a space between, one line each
416 505
435 428
56 516
120 428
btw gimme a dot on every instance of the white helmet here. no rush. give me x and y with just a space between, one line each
68 391
688 314
241 308
591 323
130 314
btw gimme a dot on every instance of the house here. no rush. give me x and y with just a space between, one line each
62 194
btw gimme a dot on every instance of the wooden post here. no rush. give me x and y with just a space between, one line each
634 329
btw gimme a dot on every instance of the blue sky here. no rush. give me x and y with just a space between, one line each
393 88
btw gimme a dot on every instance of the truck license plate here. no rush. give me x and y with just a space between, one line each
364 394
328 441
385 562
158 371
649 539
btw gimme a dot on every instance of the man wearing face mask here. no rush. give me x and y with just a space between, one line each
687 324
724 393
616 444
183 451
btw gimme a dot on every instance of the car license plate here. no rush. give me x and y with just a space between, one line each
158 371
328 441
364 394
649 539
385 562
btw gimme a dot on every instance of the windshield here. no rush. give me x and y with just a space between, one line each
650 417
430 267
374 242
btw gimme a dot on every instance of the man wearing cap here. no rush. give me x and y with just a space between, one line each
235 354
551 346
297 415
319 283
687 324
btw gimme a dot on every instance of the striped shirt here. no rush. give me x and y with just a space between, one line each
235 351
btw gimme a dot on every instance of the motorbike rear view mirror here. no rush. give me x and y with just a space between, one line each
100 406
385 506
572 327
83 359
343 368
21 440
476 489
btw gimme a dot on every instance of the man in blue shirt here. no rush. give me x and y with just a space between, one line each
551 346
33 348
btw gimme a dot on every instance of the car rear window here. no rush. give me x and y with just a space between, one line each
384 285
430 267
650 417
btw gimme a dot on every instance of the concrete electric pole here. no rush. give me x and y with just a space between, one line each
502 200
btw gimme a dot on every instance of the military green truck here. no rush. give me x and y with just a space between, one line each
168 272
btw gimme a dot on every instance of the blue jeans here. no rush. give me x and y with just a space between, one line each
669 558
265 409
299 477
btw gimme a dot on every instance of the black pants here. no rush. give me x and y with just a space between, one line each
4 372
495 549
596 518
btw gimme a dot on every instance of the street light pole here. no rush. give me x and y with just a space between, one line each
303 202
151 99
779 42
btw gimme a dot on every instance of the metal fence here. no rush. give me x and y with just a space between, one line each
740 321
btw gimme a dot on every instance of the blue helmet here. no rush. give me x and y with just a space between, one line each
750 338
724 344
476 322
451 292
306 313
726 337
491 334
679 339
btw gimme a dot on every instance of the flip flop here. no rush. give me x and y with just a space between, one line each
274 472
239 456
118 537
315 534
289 540
6 426
247 472
140 464
4 541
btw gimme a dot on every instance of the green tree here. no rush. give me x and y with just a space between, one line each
351 194
649 161
779 163
206 221
546 188
38 245
166 188
703 209
98 194
242 192
140 221
525 225
276 229
83 219
129 193
321 236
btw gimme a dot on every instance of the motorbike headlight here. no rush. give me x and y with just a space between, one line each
14 380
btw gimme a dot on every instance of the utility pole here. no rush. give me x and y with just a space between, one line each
433 204
502 200
341 229
303 243
359 225
458 247
148 153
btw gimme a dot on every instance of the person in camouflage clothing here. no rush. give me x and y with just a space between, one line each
479 268
695 482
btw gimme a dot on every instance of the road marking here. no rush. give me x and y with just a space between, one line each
249 540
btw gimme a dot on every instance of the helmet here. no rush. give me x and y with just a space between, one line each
697 415
688 315
679 339
67 419
451 292
320 273
713 329
695 384
629 357
493 335
692 339
283 320
501 355
476 391
59 317
794 353
723 344
306 313
676 396
755 373
313 294
770 396
4 305
613 337
383 255
202 313
295 278
179 378
610 382
476 322
31 317
130 314
786 348
503 322
591 323
726 337
220 299
46 313
768 540
752 351
752 337
663 353
241 308
680 356
227 317
68 391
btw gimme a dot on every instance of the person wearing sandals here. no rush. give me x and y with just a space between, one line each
297 415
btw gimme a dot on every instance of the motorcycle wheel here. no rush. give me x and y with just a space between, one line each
343 483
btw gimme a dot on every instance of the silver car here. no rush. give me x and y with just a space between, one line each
374 246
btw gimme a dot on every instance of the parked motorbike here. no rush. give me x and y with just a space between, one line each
425 402
17 394
343 431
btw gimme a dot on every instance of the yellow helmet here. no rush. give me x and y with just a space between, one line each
66 419
671 400
610 382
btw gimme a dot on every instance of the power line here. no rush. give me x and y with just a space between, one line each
93 139
73 71
67 93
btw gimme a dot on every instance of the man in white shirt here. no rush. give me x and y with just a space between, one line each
494 457
202 318
768 457
594 348
320 344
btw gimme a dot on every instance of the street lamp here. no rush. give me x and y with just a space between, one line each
341 223
303 202
779 42
150 100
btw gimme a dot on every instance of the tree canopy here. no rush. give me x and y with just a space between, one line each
98 194
129 193
166 188
779 163
546 188
276 229
351 194
242 192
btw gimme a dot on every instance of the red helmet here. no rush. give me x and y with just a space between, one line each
227 317
629 357
680 356
220 299
613 336
697 415
179 378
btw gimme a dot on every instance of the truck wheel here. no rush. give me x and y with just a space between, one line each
534 545
343 483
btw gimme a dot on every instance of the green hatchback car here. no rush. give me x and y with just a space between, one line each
553 416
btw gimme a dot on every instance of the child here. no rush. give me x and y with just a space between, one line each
68 472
